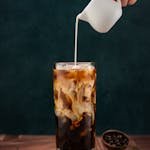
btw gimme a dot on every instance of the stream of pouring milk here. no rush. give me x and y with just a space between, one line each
76 41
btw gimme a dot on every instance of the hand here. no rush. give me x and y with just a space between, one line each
127 2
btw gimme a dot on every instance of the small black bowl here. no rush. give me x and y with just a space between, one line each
115 140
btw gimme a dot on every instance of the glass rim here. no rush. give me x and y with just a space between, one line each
72 62
62 64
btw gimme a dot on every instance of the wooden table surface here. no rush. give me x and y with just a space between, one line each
29 142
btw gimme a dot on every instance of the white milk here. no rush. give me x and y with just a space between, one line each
76 40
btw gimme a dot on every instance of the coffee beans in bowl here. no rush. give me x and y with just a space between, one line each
115 140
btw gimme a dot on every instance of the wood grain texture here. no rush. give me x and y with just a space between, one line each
29 142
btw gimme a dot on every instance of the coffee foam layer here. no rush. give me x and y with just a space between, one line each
71 65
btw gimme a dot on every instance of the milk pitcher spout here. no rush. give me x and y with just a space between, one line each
82 16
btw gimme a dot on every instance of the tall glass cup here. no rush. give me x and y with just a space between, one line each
75 105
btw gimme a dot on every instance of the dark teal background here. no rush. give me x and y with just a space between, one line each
36 33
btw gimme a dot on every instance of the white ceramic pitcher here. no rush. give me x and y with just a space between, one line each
102 14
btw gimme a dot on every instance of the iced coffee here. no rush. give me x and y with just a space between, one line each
75 105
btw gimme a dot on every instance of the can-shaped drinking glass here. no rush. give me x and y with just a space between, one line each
75 105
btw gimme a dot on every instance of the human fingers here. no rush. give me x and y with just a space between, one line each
124 3
131 2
